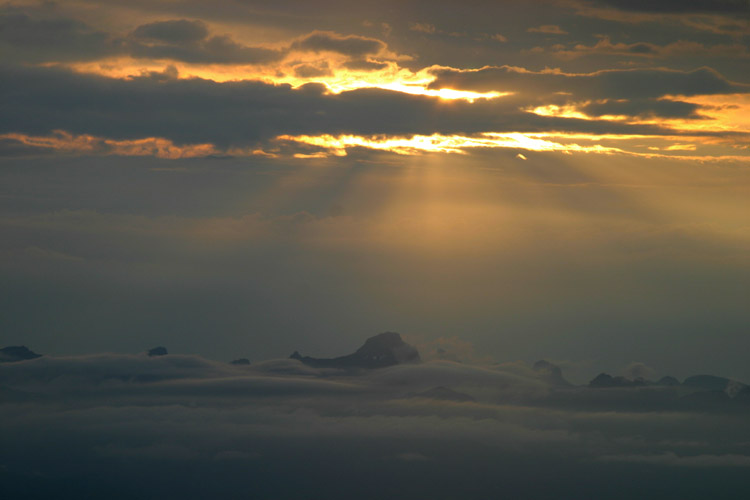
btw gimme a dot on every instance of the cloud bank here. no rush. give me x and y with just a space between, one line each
110 417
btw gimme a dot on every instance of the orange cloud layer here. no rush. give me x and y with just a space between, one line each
65 142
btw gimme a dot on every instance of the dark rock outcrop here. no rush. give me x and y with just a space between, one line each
158 351
386 349
14 353
602 380
241 361
606 380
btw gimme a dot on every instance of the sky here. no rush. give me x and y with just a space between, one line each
551 179
499 182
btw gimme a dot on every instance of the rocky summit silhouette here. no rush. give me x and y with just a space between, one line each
14 353
158 351
241 361
386 349
607 380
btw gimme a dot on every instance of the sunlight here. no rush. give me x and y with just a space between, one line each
391 77
338 145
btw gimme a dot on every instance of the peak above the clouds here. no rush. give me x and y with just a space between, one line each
385 349
17 353
158 351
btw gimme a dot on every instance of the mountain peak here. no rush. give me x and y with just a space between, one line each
379 351
158 351
14 353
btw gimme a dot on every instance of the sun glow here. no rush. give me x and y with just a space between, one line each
390 77
338 145
559 112
421 89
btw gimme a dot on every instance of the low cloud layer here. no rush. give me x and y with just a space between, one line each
154 418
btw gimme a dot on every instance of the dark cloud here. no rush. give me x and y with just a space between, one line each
43 35
312 70
606 84
626 92
52 38
41 100
31 39
681 49
681 6
189 41
352 45
643 108
365 65
176 31
46 36
214 50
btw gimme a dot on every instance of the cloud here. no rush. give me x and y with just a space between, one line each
49 38
365 65
275 428
30 39
134 419
627 92
604 84
680 49
243 114
724 17
548 29
350 45
189 41
46 36
174 31
679 6
312 70
423 27
643 108
62 142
